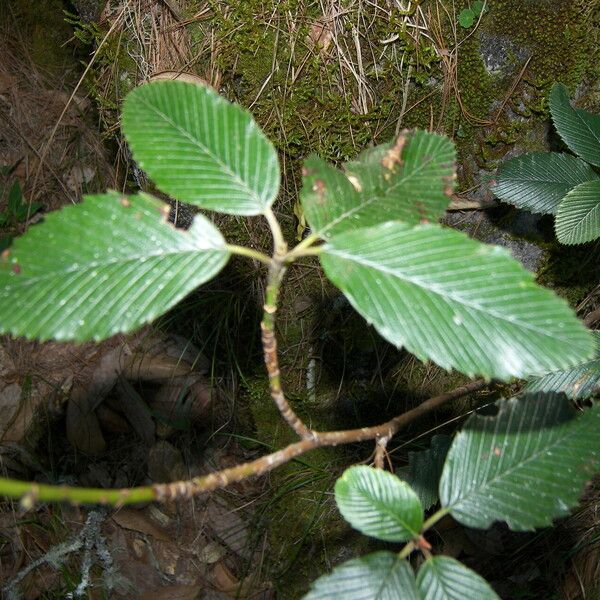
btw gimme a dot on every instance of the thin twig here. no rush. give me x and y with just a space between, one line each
380 451
32 492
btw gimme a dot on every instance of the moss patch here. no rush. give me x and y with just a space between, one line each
44 26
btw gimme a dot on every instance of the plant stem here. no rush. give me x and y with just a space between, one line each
249 253
279 243
406 551
269 343
277 268
32 492
299 249
380 451
312 251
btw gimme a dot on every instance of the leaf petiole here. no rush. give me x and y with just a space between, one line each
249 253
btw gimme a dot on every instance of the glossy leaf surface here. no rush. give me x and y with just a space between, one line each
525 466
578 217
199 148
579 128
453 300
379 504
540 180
409 181
578 383
444 578
105 266
377 576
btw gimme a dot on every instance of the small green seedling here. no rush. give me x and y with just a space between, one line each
17 210
469 16
114 263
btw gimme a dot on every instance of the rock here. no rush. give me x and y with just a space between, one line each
165 463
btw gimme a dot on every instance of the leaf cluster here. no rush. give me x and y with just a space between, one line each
563 185
524 466
115 262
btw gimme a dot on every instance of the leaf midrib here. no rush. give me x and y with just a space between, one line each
385 508
586 212
31 279
564 107
447 296
566 435
579 114
388 576
254 196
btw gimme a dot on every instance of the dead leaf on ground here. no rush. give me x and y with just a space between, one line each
180 76
184 401
111 420
132 519
228 526
320 36
78 177
223 579
83 427
136 411
165 463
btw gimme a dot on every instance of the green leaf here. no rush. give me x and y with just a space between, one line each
478 7
466 18
379 504
199 148
376 576
526 465
425 468
540 180
410 181
444 578
578 128
453 300
105 266
578 217
578 383
329 199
